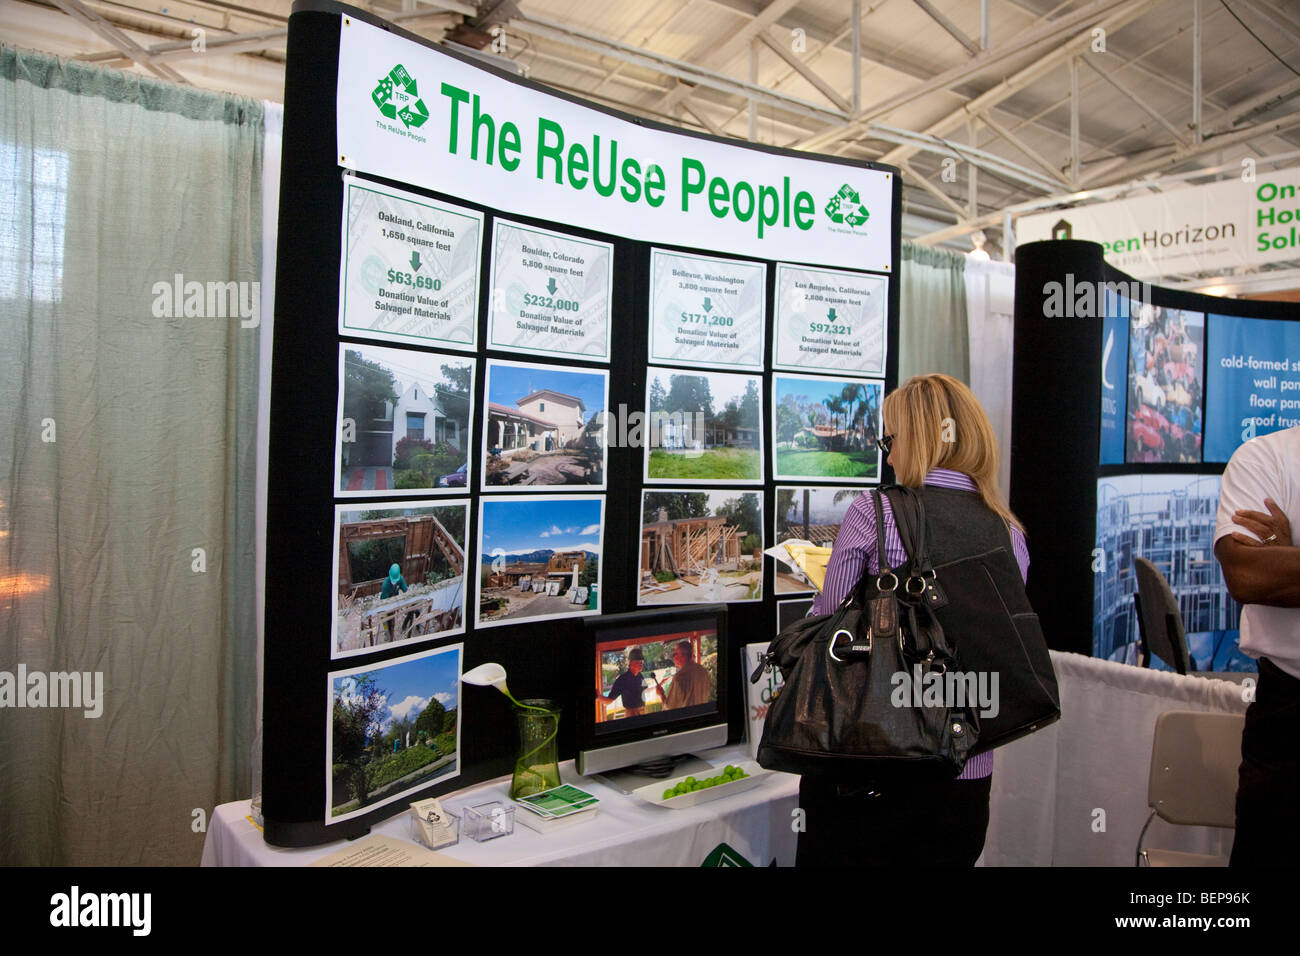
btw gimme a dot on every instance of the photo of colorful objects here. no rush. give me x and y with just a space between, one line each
544 426
403 421
1165 380
811 515
704 427
539 558
400 574
826 427
701 547
393 729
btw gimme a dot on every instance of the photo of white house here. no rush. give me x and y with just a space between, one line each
403 420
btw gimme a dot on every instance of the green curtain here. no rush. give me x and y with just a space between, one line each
127 433
933 332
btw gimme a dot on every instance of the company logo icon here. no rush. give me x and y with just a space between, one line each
846 207
1063 230
398 98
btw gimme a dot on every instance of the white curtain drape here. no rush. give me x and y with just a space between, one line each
990 298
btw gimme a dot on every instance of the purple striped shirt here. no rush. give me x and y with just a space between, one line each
855 553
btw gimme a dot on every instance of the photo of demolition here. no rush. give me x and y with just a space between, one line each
400 575
698 547
544 426
540 558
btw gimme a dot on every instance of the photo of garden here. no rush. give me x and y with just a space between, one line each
403 421
393 729
826 427
400 574
704 426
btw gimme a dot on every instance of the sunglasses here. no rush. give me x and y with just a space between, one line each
887 443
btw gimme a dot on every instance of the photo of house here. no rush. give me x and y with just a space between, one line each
400 574
700 547
403 421
539 557
544 425
826 427
704 427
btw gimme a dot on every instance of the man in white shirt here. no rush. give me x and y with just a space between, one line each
1255 540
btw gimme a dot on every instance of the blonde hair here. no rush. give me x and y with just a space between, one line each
943 425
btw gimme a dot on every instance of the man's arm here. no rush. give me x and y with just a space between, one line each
1260 574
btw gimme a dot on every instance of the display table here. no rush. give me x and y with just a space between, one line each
752 827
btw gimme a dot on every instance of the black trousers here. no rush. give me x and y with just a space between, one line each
938 824
1268 781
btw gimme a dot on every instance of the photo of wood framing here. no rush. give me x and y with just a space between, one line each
399 574
700 547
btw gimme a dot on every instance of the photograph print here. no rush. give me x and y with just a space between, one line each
703 427
399 574
539 558
403 422
812 514
393 729
1165 376
826 428
700 547
544 425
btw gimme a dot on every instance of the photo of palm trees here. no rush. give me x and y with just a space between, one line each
826 428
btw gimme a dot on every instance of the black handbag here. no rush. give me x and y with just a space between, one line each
847 710
980 601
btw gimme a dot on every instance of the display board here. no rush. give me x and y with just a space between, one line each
1129 399
509 393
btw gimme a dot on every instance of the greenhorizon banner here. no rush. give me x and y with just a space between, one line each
411 113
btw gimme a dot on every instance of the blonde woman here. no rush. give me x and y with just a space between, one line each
938 440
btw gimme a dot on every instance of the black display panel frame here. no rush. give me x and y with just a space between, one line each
301 502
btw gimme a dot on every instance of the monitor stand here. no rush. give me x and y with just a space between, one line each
635 777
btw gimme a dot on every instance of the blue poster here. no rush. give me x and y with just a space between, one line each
1252 381
1114 378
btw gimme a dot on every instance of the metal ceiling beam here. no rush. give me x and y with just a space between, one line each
1044 163
807 73
712 127
1146 107
1041 34
1274 19
183 49
949 27
917 142
919 180
137 53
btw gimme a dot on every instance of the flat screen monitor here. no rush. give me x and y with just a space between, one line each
652 685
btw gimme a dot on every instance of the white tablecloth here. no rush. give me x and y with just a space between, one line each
755 825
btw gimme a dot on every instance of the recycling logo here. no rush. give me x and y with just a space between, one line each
846 207
397 98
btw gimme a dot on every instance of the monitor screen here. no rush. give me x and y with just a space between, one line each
649 680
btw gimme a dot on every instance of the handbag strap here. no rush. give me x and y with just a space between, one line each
909 516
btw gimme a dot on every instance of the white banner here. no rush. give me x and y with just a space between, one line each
413 114
1243 221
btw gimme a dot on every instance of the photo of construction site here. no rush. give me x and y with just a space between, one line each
399 573
539 558
701 547
807 521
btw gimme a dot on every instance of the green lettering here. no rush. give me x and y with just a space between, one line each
631 185
803 205
549 150
482 121
766 193
688 186
577 166
735 201
509 144
605 189
719 196
457 96
654 182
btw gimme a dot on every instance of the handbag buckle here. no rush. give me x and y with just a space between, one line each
830 647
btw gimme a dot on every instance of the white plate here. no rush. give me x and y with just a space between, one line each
654 793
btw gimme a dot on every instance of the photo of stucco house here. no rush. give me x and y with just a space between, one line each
543 426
